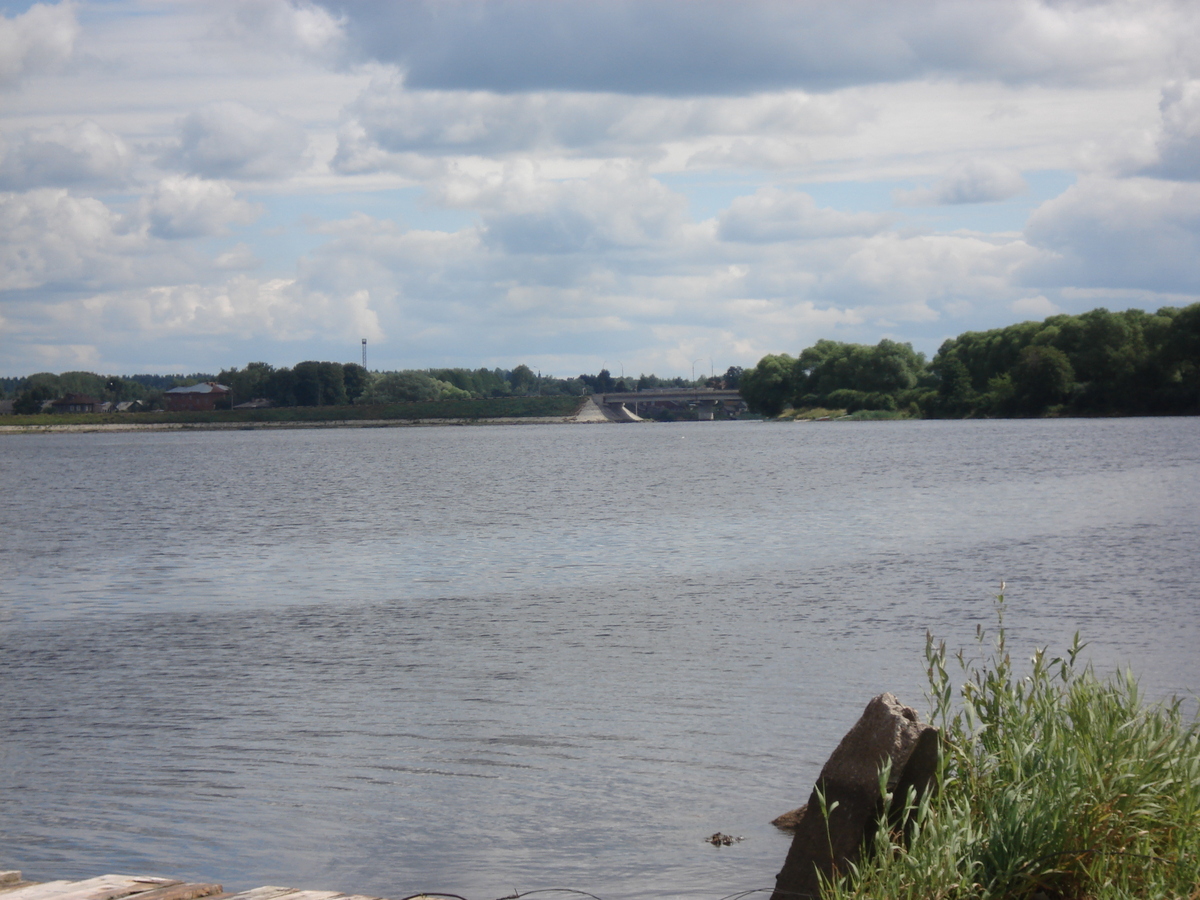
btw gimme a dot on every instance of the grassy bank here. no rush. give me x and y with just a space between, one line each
820 413
1054 784
493 408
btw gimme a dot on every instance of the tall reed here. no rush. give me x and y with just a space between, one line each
1053 783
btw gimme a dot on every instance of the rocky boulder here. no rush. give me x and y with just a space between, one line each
849 782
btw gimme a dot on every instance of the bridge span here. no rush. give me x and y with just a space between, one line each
628 406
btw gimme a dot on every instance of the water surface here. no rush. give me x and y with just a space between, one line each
485 659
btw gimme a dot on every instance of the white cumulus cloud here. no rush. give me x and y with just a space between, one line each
1179 143
660 47
40 39
49 237
971 181
617 207
63 155
289 27
771 214
186 207
1129 234
388 118
229 140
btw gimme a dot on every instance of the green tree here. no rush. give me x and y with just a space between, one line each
955 396
1042 378
356 380
523 380
87 383
768 387
405 387
888 368
319 384
249 383
30 400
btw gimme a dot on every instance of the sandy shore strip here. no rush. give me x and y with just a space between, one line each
254 426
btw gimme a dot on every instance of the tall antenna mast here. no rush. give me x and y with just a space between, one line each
364 352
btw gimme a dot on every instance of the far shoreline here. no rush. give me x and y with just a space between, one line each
118 427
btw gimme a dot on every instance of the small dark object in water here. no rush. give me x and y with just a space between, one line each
723 840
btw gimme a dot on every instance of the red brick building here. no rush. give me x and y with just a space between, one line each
206 395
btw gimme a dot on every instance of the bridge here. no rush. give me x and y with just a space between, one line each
628 406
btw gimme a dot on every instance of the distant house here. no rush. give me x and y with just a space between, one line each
129 406
76 403
6 407
195 396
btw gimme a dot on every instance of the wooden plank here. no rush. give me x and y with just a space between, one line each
267 892
135 885
113 887
12 880
182 892
102 887
38 891
147 887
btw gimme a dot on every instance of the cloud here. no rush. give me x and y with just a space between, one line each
38 40
1179 143
246 308
1136 233
1038 307
185 207
695 47
920 278
230 140
388 119
280 309
617 207
771 215
518 283
63 155
973 181
49 237
299 28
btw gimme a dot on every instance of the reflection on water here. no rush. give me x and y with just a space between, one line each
480 659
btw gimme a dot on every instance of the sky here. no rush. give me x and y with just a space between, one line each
649 186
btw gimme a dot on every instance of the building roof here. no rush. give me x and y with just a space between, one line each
76 400
205 387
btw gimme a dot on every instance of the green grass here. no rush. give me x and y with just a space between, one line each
819 412
1054 783
496 407
813 413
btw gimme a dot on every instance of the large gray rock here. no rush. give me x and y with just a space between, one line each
850 785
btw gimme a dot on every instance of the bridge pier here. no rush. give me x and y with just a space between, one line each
616 406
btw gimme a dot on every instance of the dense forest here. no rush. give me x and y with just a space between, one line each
1096 363
314 383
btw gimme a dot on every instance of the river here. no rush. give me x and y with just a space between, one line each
486 659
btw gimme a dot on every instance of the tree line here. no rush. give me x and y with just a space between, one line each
317 383
1096 363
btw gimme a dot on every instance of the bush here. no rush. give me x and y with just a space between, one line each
1055 783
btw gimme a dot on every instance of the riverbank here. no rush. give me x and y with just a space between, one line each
1053 783
494 411
257 426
